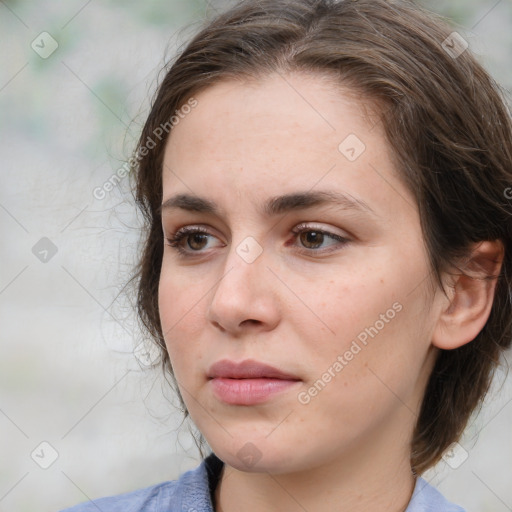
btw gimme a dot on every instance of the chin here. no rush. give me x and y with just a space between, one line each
256 456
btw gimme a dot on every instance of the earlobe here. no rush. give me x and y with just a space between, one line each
470 297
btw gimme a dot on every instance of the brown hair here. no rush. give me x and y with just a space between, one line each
444 117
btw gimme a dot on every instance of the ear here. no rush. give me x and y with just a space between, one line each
471 296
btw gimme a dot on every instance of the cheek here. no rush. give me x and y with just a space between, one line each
182 316
364 374
350 302
370 324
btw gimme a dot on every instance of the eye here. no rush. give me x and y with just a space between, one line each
312 238
194 237
190 241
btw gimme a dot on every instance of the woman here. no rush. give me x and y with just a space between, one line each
328 256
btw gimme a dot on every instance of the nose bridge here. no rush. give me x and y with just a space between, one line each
243 292
244 268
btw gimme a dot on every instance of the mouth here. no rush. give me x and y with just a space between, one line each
249 382
248 369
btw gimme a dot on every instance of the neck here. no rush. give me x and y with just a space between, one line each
368 478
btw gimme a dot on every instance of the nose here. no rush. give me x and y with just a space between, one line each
244 298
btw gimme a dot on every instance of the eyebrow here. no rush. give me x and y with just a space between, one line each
275 205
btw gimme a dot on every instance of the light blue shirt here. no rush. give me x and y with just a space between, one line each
191 493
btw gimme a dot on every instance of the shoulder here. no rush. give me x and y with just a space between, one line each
189 492
427 498
142 500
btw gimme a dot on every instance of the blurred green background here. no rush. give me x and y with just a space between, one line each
68 375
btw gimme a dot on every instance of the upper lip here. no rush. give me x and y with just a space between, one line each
248 369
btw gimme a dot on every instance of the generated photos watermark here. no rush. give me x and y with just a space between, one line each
150 143
357 345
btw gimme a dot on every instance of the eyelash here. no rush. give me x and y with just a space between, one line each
175 239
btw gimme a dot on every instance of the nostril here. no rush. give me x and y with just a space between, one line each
251 321
216 324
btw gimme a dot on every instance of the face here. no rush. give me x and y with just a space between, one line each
306 254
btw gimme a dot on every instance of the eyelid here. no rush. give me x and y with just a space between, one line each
177 236
305 226
341 240
180 234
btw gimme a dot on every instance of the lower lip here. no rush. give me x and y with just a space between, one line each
248 391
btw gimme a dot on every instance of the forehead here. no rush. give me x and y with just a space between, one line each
278 134
279 110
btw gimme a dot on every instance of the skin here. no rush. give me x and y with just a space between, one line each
298 308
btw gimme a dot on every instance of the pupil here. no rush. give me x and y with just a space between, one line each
312 237
197 237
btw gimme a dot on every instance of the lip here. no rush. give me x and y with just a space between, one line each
248 382
247 369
